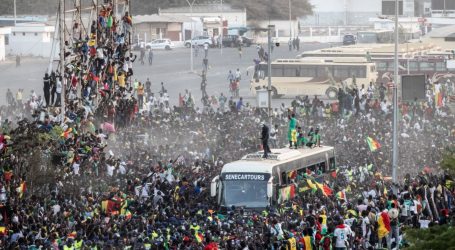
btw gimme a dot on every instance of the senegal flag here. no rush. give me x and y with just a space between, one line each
286 193
324 188
341 195
383 225
373 144
21 189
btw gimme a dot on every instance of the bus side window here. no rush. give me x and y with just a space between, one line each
277 70
440 66
284 178
301 172
322 167
332 165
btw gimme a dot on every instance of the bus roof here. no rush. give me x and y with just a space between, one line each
255 163
320 60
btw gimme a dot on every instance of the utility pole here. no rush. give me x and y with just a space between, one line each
269 69
395 100
222 29
14 12
290 20
192 31
62 56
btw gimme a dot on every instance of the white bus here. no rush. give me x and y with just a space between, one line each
313 76
253 182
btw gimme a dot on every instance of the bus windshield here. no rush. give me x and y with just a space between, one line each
245 191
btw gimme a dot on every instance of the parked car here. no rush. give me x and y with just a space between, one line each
138 46
160 44
349 39
199 41
234 40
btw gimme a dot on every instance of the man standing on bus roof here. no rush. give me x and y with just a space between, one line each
265 140
292 125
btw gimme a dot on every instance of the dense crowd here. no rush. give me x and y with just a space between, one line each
143 183
125 169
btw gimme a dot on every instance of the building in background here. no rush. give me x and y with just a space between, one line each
174 27
213 17
4 32
443 8
342 12
30 39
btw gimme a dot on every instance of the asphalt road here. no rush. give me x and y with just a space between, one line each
171 67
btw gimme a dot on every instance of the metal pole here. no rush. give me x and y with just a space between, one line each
191 41
395 100
192 31
222 29
14 12
114 9
269 70
290 20
62 56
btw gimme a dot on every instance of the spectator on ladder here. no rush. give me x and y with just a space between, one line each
127 24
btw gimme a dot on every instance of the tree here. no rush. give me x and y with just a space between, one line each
256 9
448 161
272 9
437 237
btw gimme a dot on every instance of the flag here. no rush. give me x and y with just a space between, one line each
199 237
312 185
341 195
373 144
286 193
326 190
107 206
385 191
128 214
3 231
292 174
72 235
383 225
21 189
303 189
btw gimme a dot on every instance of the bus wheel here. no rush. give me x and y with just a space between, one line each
331 93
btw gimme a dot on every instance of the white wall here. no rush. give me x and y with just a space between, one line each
30 44
235 19
352 5
338 12
2 47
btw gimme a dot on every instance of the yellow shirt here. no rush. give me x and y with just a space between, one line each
121 81
292 244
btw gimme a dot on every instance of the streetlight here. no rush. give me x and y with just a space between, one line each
395 100
290 20
222 29
14 12
269 69
192 31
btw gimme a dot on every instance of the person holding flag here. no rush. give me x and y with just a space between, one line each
373 145
292 129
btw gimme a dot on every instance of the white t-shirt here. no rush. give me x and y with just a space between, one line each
273 133
424 223
365 227
341 235
110 170
76 168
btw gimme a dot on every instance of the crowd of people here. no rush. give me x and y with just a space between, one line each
122 168
143 183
